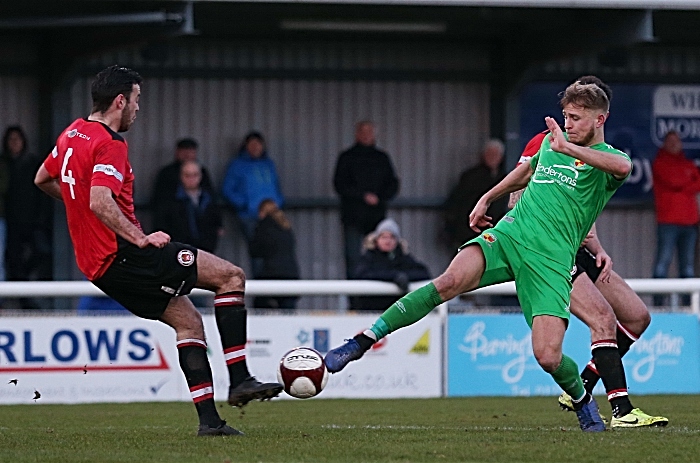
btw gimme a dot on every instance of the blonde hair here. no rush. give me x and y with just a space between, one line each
587 96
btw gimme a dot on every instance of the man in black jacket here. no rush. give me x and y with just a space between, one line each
473 183
168 179
365 181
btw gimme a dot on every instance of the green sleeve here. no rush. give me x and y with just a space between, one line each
614 183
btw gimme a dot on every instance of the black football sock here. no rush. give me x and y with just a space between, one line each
231 320
609 365
625 339
194 363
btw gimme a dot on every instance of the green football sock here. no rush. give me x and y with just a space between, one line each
407 310
567 377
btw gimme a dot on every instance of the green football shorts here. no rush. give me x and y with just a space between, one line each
543 285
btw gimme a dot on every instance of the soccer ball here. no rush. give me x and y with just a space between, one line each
302 372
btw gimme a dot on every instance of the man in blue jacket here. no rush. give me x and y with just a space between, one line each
250 178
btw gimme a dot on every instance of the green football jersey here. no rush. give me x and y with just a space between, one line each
560 204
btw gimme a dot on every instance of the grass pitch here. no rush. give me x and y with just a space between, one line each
529 429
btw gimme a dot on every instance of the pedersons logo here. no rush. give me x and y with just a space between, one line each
565 175
660 348
476 345
80 350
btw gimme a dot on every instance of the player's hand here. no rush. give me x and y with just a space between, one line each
478 220
557 140
604 260
157 239
588 237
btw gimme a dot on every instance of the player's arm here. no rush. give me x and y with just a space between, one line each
516 180
602 258
617 166
47 184
103 205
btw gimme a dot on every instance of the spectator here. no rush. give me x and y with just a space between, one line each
192 215
386 258
168 179
4 181
273 242
365 181
250 178
676 184
472 185
28 213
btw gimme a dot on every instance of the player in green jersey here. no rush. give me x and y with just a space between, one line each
570 180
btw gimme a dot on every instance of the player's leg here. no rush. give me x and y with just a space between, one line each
633 319
228 283
547 338
629 310
463 274
588 304
192 352
631 313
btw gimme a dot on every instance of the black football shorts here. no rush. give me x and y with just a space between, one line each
585 263
144 280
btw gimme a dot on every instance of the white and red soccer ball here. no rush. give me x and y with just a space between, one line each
302 372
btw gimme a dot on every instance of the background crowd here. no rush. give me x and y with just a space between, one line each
186 203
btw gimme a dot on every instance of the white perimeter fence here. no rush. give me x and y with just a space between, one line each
335 287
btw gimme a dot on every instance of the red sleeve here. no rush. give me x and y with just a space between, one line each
110 165
51 163
532 147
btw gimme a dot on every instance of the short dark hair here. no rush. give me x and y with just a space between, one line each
596 81
6 138
254 135
187 143
110 83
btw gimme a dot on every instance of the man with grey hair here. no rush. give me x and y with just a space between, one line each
473 183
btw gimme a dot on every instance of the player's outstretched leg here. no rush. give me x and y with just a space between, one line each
462 275
228 282
406 311
231 319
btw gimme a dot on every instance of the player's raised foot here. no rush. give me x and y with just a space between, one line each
638 419
252 389
566 404
589 418
336 359
222 430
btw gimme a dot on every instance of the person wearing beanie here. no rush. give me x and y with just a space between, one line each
386 258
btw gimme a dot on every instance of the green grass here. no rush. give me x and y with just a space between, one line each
442 430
